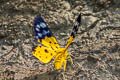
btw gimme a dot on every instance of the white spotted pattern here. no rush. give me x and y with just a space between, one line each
38 26
43 25
36 37
44 32
39 34
37 29
48 31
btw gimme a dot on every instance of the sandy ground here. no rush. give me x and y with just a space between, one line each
95 50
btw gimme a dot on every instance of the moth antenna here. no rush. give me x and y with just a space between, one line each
76 26
74 30
79 18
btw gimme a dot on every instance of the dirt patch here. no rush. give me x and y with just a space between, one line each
95 50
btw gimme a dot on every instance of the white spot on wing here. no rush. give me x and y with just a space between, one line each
37 29
38 26
43 25
39 34
48 31
36 37
44 32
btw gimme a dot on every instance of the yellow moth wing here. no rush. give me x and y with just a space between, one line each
50 42
44 54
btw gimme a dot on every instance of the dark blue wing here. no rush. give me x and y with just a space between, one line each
41 29
43 34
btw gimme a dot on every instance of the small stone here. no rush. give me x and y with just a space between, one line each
66 5
62 34
4 48
92 59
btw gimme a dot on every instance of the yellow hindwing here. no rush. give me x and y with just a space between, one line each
50 42
44 54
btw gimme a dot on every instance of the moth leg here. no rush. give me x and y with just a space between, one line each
65 64
56 57
69 57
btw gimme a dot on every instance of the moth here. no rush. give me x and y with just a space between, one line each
50 47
